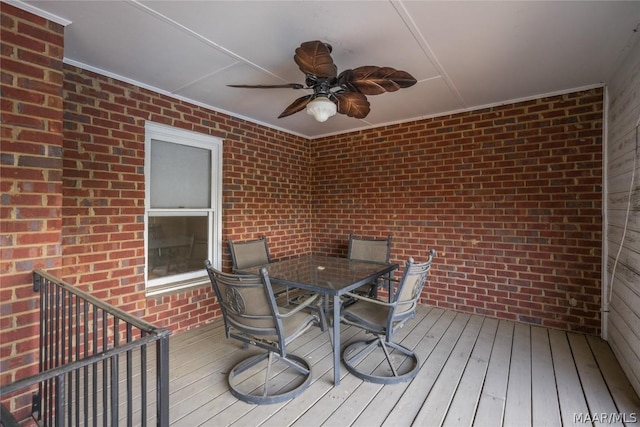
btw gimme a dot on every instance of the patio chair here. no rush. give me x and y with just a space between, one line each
251 316
369 249
252 253
384 319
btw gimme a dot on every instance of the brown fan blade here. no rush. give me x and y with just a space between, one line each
286 85
353 104
373 80
314 58
297 105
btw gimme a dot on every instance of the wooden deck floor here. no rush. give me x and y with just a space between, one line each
475 371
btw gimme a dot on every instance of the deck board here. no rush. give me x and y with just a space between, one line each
474 371
490 410
593 383
569 389
626 400
418 389
545 408
465 400
517 411
435 407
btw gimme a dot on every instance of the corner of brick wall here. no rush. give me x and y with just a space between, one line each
31 169
509 196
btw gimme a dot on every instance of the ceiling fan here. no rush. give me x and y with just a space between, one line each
332 92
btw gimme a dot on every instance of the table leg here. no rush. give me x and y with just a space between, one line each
336 340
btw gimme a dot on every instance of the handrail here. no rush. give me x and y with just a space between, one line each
123 315
88 349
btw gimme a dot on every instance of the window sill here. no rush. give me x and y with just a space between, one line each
177 286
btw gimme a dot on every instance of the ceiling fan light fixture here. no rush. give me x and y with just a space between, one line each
321 108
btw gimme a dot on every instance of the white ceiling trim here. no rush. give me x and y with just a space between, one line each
173 95
38 12
465 110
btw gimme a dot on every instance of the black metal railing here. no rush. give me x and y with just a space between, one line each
96 362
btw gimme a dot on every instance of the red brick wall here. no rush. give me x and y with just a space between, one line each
265 190
31 182
510 197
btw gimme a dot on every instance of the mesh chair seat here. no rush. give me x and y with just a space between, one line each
365 358
252 316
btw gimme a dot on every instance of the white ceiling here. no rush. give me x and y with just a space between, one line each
464 54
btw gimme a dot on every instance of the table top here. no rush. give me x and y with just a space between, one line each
324 274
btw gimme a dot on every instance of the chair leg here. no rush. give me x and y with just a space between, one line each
356 352
388 357
267 375
267 393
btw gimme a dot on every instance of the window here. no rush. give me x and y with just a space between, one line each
183 176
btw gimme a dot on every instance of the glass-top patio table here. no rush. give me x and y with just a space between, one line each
330 276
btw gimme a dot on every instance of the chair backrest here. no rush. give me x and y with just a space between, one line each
248 305
409 288
249 253
369 249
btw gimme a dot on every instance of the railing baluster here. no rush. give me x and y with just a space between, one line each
43 336
65 352
85 335
129 379
76 324
105 378
49 403
114 390
143 381
59 419
95 366
162 381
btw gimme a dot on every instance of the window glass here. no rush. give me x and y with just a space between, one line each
180 176
177 244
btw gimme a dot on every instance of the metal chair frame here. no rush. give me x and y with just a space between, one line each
400 309
266 326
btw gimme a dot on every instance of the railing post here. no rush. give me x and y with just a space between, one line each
162 374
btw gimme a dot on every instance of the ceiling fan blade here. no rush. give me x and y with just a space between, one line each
286 85
314 58
297 105
353 104
373 80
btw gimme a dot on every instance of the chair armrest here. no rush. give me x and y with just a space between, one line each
304 304
367 299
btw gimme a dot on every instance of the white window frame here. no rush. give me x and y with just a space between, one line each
156 131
